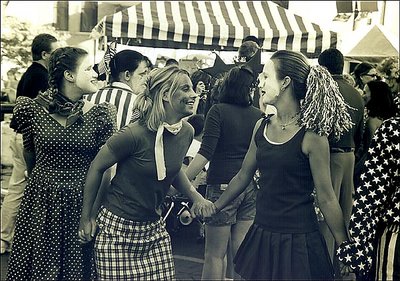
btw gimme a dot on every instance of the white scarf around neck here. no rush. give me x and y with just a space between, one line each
159 146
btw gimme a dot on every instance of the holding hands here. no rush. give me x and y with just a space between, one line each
87 230
345 270
203 208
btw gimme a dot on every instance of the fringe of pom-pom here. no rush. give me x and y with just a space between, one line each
323 109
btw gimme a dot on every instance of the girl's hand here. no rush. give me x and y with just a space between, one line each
203 208
87 230
345 270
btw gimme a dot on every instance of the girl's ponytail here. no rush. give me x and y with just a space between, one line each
323 109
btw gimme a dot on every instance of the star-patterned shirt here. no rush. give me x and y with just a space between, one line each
377 198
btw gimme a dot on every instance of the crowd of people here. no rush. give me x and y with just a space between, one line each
92 166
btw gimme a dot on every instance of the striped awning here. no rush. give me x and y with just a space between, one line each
214 25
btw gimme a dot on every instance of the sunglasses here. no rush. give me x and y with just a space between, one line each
371 75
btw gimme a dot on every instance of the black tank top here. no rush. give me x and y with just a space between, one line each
284 201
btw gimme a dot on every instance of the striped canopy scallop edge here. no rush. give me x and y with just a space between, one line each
214 25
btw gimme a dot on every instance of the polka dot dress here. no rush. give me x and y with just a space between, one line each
45 245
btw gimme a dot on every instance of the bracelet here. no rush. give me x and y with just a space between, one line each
216 209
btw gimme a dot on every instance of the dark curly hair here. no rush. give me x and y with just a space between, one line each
200 75
236 87
381 104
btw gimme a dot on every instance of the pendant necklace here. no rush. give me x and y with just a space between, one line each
291 121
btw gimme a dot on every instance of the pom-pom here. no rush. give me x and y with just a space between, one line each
323 109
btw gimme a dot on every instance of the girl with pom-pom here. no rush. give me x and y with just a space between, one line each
291 151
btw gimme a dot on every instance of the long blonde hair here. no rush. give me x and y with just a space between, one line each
149 104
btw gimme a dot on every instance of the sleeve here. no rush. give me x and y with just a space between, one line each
22 121
371 199
108 122
122 143
212 132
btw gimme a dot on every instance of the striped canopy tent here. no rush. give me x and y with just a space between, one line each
214 25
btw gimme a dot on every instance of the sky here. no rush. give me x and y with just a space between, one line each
319 12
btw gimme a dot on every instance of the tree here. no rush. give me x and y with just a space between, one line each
17 37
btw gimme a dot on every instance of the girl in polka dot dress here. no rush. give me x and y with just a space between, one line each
62 135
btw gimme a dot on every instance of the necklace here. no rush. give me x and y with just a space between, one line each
291 121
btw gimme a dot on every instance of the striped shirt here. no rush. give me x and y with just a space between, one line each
118 94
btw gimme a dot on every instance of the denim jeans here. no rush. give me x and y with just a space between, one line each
242 208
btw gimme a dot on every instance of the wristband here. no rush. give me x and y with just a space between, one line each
216 209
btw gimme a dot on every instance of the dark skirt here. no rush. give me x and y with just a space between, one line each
265 255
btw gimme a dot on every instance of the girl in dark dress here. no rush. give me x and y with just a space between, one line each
291 151
62 135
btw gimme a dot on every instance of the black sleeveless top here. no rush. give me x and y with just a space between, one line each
284 201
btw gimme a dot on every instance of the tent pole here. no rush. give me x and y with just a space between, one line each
383 12
355 15
94 50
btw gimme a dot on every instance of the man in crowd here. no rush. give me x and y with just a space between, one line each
342 156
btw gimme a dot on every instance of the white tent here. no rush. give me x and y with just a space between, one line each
372 43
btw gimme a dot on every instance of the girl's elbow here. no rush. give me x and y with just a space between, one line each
97 168
327 201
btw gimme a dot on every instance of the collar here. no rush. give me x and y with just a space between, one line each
159 147
121 85
40 63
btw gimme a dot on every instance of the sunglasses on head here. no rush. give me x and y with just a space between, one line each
371 75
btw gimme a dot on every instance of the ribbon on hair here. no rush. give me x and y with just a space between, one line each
159 147
104 65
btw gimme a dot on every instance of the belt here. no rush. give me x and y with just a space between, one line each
341 149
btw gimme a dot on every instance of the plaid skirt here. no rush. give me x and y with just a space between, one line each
130 250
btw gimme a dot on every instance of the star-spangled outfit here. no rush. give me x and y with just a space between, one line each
374 251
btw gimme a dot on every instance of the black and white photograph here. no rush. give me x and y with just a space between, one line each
200 140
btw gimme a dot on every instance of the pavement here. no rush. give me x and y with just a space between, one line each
188 251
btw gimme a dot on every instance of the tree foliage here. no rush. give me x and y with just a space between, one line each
17 37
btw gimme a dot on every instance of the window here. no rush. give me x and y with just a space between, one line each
62 15
89 16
